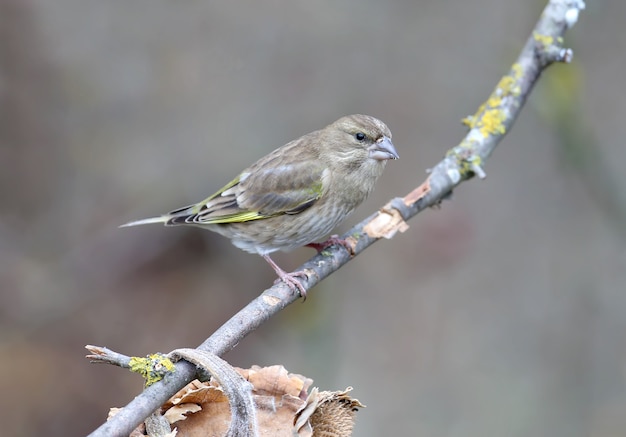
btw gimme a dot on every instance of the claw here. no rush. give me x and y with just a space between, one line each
334 239
290 279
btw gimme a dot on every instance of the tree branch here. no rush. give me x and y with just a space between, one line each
487 127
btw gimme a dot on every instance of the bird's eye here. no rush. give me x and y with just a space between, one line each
360 136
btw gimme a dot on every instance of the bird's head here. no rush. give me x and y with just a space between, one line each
358 139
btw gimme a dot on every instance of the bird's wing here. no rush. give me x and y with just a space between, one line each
260 192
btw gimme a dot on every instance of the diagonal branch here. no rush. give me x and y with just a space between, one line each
487 127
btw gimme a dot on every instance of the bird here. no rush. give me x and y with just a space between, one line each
296 194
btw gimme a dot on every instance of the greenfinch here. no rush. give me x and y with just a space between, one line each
296 194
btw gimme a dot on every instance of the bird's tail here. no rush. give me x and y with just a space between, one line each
177 217
161 219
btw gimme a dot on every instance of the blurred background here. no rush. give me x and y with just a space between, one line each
503 313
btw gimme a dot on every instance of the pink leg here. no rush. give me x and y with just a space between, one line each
288 278
334 239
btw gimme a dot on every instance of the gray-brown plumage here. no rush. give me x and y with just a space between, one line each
296 194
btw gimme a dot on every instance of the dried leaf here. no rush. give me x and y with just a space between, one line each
179 412
201 408
329 414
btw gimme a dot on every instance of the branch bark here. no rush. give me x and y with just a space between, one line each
487 127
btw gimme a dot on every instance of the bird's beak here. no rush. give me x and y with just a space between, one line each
383 149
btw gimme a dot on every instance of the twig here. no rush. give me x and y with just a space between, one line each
104 355
487 127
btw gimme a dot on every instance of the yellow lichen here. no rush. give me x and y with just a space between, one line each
470 121
492 122
545 40
495 100
490 118
152 368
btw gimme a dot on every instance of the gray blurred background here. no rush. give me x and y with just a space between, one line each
503 313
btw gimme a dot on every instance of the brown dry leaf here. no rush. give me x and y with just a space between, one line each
179 412
275 380
113 411
328 413
201 409
198 392
276 395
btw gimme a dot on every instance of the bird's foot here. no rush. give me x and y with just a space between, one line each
334 239
290 279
